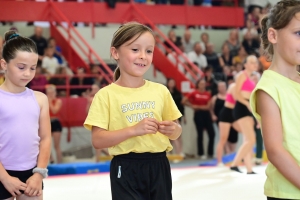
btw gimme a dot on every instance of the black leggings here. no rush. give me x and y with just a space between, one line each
203 121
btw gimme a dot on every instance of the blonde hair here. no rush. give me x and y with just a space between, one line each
124 34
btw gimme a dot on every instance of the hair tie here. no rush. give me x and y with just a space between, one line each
13 36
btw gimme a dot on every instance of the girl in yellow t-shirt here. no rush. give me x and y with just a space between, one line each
275 100
135 119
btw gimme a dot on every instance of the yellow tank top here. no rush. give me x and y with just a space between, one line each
286 94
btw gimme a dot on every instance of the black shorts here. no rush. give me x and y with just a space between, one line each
22 175
226 115
55 125
137 176
240 111
233 136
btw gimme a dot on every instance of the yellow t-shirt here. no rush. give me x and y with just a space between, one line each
115 107
286 94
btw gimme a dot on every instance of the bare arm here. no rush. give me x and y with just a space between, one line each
221 61
273 138
102 138
238 86
44 131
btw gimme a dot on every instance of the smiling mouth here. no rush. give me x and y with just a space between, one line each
140 65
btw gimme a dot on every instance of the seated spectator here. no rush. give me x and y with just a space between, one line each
250 27
204 38
211 82
60 79
80 81
39 81
197 56
254 16
98 78
178 60
236 68
240 57
159 44
251 44
233 42
187 41
49 62
40 41
57 51
173 38
213 58
225 59
194 71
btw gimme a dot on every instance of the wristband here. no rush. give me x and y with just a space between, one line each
42 171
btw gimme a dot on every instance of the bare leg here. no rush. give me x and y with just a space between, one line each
224 132
231 147
56 138
247 127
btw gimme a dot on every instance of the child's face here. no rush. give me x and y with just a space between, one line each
288 42
20 70
135 58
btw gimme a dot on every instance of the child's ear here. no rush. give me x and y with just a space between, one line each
272 35
3 64
114 53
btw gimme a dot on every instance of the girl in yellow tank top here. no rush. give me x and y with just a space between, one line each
275 100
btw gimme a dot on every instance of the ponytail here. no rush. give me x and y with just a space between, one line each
117 74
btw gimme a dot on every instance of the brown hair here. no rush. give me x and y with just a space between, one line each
124 34
14 42
279 17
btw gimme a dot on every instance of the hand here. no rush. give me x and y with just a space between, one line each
146 126
13 185
34 185
214 118
167 127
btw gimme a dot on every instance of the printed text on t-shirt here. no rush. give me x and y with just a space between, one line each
138 106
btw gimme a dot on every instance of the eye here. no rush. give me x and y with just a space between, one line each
298 33
149 51
33 69
135 50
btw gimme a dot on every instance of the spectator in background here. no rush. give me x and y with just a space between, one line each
225 59
55 105
233 42
249 27
204 38
197 56
39 81
187 41
251 44
210 81
213 58
57 50
90 96
40 41
237 67
194 71
98 78
80 80
60 79
159 44
49 62
241 56
254 16
178 60
200 101
173 38
177 97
